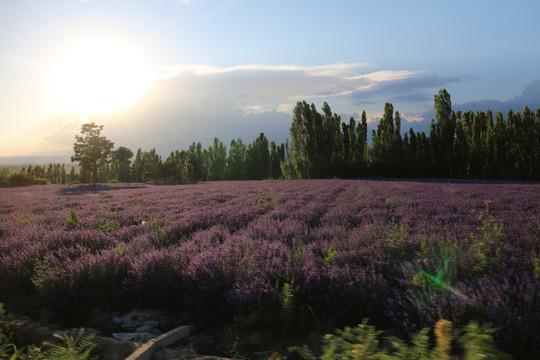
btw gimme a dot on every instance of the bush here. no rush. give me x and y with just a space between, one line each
365 342
21 179
68 347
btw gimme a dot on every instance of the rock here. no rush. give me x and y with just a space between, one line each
194 345
111 349
144 328
86 331
134 336
188 350
152 323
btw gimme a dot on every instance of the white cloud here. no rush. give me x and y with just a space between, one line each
412 117
338 69
285 108
258 85
373 118
253 109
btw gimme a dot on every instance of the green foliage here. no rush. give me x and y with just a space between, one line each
487 250
536 268
396 234
21 179
91 151
420 348
68 348
73 219
272 194
121 162
8 350
287 307
43 270
154 227
258 158
330 256
478 343
365 342
105 225
361 342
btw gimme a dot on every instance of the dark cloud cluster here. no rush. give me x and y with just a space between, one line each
416 89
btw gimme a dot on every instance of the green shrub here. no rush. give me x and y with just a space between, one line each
365 342
20 179
105 225
67 347
73 219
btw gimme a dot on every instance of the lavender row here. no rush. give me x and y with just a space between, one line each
404 254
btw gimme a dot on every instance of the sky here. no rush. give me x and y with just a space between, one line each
165 73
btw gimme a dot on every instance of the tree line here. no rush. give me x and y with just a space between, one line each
39 175
256 161
101 163
465 145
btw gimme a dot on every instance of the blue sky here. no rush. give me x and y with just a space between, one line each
165 73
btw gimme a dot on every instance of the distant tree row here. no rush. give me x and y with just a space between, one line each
34 175
470 145
259 160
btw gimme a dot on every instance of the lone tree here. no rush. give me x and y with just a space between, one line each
91 150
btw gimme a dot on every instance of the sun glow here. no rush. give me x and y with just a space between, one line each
98 77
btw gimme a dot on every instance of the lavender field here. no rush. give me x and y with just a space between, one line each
291 255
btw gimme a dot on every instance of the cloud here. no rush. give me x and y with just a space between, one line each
530 96
285 108
258 85
192 103
417 88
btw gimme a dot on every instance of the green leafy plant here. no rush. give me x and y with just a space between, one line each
69 347
365 342
488 250
72 219
105 225
478 343
8 350
272 194
537 268
154 227
360 342
330 256
286 300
